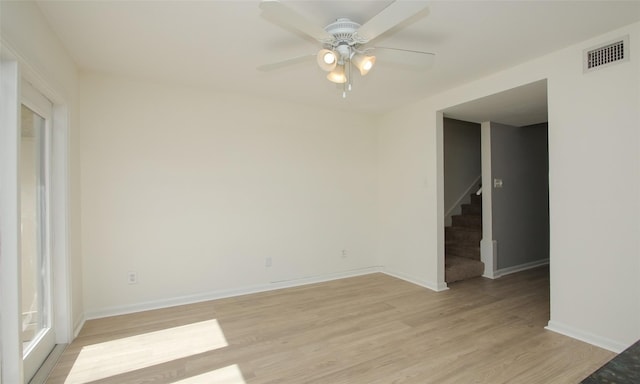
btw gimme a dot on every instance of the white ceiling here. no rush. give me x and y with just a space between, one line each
219 44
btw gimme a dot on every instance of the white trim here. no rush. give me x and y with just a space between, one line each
417 281
519 268
587 337
489 256
60 194
10 303
77 327
225 293
60 267
463 199
41 375
488 246
60 224
440 284
36 352
32 75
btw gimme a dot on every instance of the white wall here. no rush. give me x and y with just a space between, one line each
193 190
408 196
594 147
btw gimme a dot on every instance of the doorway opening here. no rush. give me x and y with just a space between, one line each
507 134
34 137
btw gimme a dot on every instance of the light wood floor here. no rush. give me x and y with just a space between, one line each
367 329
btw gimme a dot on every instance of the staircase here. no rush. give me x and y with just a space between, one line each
462 243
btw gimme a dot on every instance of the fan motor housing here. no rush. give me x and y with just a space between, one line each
343 30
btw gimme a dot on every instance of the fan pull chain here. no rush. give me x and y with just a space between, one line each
349 79
346 86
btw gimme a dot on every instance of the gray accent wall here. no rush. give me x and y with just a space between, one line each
462 162
520 157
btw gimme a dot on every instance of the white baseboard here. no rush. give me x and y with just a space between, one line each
221 294
587 337
489 256
519 268
77 327
50 362
414 280
327 277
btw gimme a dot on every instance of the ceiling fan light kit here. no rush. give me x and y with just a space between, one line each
342 49
343 40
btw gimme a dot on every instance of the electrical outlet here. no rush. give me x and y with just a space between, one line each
344 253
268 262
132 277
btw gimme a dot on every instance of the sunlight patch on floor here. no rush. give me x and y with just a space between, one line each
226 375
111 358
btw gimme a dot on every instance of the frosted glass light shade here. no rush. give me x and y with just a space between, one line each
363 63
327 59
337 75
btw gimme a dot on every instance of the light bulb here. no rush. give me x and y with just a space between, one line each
329 58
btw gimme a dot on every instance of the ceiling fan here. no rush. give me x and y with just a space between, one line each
344 41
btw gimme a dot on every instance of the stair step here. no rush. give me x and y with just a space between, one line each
462 242
461 268
461 250
472 209
462 235
468 221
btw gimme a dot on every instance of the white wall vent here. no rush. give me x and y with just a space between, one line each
606 54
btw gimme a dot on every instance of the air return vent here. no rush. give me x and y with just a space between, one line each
604 55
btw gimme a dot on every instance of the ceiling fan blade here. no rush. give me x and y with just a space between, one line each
404 57
280 13
393 15
286 62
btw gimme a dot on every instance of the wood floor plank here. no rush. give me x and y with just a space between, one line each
372 329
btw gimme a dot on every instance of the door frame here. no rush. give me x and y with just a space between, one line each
14 70
43 341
